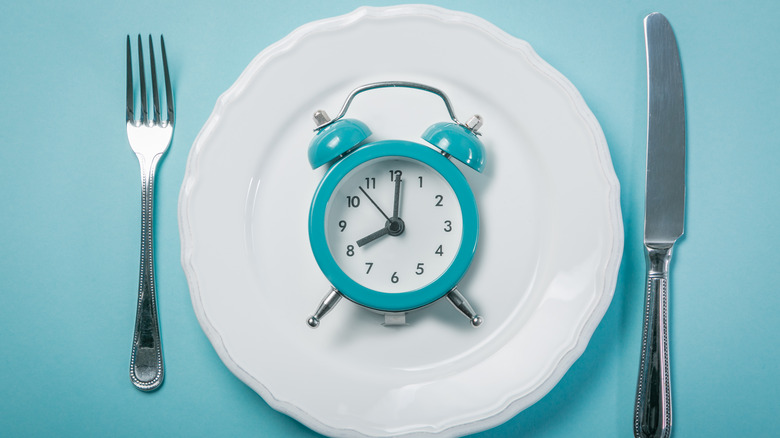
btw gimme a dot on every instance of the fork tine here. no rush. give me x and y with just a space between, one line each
168 91
129 82
142 75
155 94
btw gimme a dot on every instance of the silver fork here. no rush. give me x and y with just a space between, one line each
149 138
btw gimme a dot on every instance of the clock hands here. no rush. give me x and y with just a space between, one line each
373 236
394 226
375 205
396 197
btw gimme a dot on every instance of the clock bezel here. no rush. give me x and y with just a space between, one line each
394 301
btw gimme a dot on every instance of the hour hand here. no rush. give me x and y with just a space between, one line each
373 236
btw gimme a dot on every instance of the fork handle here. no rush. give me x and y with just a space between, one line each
146 363
653 409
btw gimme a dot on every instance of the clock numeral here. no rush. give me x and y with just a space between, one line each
395 174
448 226
439 198
420 178
350 250
353 201
342 225
439 251
370 183
394 278
420 269
370 265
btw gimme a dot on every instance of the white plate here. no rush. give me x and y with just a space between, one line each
546 265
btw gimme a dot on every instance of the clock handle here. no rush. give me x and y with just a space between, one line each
327 304
460 303
325 121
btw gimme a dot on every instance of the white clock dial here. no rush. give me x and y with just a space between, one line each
387 248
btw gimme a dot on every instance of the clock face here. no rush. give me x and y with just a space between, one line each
393 224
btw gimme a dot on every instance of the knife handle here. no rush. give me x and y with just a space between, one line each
653 410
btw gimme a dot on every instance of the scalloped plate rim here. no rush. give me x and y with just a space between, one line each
513 407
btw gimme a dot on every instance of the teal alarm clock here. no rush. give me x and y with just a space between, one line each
394 225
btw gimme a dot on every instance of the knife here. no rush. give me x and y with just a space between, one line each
664 220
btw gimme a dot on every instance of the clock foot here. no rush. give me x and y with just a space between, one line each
395 318
327 304
463 306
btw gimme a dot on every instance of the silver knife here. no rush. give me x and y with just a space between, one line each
664 219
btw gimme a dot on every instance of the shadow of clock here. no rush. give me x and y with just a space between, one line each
443 313
440 310
357 324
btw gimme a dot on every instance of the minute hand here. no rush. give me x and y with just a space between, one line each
375 205
396 197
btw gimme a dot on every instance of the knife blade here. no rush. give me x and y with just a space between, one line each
664 221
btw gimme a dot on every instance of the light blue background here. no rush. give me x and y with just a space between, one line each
69 228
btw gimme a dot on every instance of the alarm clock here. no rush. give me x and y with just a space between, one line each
393 225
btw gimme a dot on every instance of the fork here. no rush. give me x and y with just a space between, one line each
149 138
